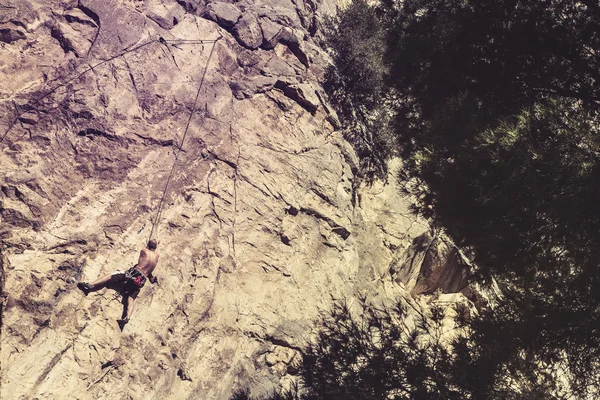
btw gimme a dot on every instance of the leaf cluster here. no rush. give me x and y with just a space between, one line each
356 83
495 107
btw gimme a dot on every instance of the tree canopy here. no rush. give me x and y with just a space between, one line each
496 106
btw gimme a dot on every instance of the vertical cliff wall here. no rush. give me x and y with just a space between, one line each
263 224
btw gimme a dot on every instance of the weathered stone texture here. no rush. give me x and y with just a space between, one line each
248 32
264 223
225 14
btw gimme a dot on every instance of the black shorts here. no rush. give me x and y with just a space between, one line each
125 284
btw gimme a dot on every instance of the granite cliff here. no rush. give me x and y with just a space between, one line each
263 225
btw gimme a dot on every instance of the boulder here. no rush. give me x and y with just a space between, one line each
165 15
9 35
224 14
247 31
271 32
70 39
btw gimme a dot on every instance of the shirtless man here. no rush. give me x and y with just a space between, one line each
128 283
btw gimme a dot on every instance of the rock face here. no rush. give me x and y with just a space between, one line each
263 223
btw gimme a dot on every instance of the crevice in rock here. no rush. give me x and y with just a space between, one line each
62 246
183 375
151 140
71 19
282 151
109 366
282 343
295 47
335 227
17 22
212 199
284 239
249 244
245 179
85 114
165 44
291 210
331 245
40 328
55 360
69 243
323 197
190 6
313 27
280 104
296 94
3 294
93 132
223 160
132 78
235 176
27 120
11 35
89 13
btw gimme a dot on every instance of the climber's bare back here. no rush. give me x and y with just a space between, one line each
147 261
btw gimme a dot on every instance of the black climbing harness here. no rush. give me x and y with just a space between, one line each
135 277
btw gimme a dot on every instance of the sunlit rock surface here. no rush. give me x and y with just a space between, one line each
264 223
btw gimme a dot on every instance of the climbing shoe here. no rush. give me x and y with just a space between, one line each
86 288
122 323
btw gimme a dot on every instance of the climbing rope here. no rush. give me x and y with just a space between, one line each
92 67
125 51
155 223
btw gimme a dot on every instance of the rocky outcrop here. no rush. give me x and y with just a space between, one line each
263 224
430 264
225 14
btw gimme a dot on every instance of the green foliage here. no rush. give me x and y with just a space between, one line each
379 353
500 137
356 38
495 107
503 152
356 83
292 394
374 355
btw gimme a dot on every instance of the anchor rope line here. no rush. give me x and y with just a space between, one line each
92 67
121 54
179 147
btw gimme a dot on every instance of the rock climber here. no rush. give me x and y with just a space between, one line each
128 283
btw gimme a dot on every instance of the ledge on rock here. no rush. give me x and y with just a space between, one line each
166 16
302 93
247 88
430 264
8 35
224 14
271 33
